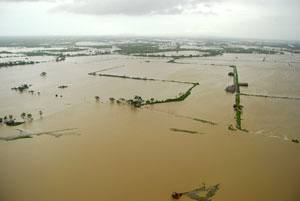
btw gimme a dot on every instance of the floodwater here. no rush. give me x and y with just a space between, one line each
126 153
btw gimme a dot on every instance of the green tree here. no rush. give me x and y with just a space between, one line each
29 116
23 115
11 117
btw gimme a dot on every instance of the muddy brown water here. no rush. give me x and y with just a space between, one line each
125 153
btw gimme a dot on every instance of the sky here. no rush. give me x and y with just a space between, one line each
257 19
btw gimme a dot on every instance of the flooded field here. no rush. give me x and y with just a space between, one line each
120 152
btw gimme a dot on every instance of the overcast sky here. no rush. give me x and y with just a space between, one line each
262 19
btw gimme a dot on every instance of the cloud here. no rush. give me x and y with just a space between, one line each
138 7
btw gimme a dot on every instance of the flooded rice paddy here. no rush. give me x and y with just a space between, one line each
146 153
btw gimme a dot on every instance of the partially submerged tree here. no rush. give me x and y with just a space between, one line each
97 98
111 99
43 74
11 117
29 116
23 115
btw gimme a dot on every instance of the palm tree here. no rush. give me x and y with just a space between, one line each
5 119
111 99
41 113
97 98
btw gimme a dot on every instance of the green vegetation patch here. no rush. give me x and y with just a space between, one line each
147 50
236 80
16 123
295 140
140 101
237 106
180 98
133 48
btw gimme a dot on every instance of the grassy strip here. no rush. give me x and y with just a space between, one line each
127 77
236 80
180 98
94 73
184 131
266 96
238 111
110 68
237 99
140 78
